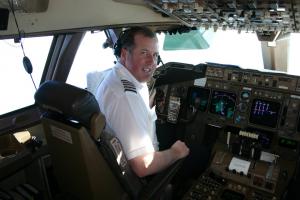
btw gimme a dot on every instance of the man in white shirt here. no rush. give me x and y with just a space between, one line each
123 97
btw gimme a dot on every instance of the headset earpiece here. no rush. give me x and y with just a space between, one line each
117 48
120 42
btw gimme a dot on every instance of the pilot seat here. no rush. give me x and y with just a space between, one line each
88 162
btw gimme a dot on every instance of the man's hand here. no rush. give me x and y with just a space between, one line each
179 149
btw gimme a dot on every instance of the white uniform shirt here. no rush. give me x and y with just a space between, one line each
125 103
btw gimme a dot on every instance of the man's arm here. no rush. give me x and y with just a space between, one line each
151 163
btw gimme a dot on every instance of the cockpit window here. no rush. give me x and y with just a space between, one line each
224 47
16 85
91 58
293 54
242 49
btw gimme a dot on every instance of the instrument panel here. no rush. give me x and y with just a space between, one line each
249 118
231 96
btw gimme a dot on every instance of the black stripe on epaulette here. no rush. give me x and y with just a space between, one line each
128 86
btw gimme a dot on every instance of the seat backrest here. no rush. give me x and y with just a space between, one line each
72 120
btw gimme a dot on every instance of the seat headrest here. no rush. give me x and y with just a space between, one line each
70 101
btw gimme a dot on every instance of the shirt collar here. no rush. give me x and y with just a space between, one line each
125 74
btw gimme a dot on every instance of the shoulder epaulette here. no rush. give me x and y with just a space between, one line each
128 86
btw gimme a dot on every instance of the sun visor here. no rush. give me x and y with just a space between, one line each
267 36
185 41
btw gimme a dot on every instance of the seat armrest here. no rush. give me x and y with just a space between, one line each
158 183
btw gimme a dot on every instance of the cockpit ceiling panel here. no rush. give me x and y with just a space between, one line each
251 15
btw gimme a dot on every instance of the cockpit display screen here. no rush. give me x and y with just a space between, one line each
264 113
223 103
198 98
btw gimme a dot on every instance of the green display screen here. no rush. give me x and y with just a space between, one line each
288 143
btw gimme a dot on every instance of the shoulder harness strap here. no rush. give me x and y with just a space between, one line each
128 86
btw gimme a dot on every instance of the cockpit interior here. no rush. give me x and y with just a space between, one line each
248 118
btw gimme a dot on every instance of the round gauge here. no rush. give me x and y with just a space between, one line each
245 95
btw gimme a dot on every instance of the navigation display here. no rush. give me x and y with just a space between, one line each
198 98
264 113
223 103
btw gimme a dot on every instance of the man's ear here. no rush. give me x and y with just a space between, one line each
123 53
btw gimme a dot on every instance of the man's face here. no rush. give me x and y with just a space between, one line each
141 60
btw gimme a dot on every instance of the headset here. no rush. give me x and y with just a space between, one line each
123 38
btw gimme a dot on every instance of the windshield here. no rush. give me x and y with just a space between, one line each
16 86
225 47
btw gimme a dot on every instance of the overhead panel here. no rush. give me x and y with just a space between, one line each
251 15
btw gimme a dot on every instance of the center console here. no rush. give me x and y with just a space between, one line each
233 178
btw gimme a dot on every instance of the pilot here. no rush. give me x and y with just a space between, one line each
123 97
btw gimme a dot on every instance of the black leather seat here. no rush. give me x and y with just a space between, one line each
88 162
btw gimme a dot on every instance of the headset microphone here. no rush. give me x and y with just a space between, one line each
158 60
157 75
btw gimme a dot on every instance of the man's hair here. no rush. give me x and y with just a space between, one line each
126 38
